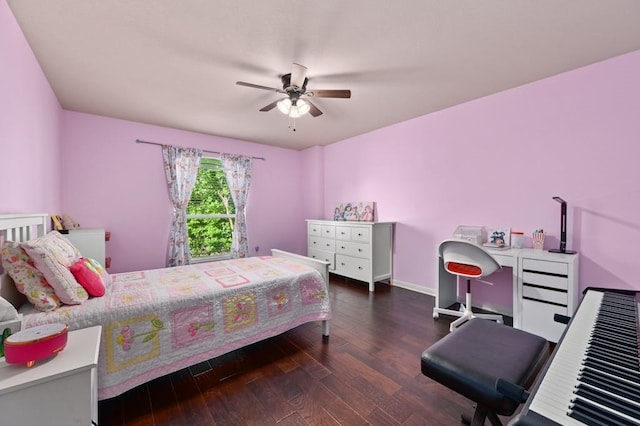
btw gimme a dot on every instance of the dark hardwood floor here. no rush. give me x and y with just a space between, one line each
367 373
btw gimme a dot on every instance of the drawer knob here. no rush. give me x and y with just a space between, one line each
359 234
328 244
359 249
360 267
342 247
342 263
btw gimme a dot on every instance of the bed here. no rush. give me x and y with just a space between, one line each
155 322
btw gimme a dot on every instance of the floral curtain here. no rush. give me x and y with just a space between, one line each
181 168
238 169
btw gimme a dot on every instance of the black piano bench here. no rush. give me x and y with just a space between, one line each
472 358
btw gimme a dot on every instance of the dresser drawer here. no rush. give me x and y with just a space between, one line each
327 256
314 229
552 281
361 234
353 267
320 243
351 248
343 232
560 268
328 231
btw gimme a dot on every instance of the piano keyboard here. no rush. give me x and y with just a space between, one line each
594 376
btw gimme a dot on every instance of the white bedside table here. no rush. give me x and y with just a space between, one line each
62 390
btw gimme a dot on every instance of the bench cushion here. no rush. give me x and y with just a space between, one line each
471 359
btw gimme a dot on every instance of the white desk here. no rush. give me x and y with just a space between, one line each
543 284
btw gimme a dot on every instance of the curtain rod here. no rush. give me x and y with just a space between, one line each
204 150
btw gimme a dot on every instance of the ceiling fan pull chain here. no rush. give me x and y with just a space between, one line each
293 128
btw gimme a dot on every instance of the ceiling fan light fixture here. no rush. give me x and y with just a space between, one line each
284 105
303 106
293 108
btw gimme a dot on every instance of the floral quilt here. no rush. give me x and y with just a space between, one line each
158 321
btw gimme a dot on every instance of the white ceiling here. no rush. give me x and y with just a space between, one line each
174 63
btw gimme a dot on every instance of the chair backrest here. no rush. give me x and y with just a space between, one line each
467 259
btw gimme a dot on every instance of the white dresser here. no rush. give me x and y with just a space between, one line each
90 243
358 250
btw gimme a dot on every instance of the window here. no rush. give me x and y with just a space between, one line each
210 213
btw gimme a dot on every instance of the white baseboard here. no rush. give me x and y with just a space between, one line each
414 287
432 292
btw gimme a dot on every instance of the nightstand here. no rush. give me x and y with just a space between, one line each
62 390
89 242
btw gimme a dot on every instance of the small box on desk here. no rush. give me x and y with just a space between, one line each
473 234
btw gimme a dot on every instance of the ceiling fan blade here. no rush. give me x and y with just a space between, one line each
298 73
314 111
257 86
329 93
269 107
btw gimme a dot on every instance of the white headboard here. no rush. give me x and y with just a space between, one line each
18 227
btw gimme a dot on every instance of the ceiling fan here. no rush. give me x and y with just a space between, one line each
294 86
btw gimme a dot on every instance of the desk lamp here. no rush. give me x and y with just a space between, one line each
563 228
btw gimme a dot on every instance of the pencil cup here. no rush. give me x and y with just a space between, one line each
538 240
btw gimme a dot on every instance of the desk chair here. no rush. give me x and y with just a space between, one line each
468 260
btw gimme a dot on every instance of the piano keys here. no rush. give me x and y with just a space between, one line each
593 377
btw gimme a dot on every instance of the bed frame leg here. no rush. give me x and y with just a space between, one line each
325 330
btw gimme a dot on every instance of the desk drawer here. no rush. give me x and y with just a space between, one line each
545 295
537 318
320 243
559 268
552 281
504 260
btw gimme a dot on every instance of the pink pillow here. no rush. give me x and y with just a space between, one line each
53 254
91 275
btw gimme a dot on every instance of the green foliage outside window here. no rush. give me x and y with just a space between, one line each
210 213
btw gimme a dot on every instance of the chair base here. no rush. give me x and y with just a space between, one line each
465 314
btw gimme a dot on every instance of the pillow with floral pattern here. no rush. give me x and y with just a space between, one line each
28 280
53 254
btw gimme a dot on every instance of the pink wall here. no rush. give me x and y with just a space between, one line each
29 127
498 161
111 182
493 161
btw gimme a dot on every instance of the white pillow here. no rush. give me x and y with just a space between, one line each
7 311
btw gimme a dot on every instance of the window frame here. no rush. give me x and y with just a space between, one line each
225 256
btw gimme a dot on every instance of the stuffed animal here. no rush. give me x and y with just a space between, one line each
68 222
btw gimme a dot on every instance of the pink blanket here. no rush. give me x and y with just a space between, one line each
159 321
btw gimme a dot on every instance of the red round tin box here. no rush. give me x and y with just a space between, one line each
36 343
